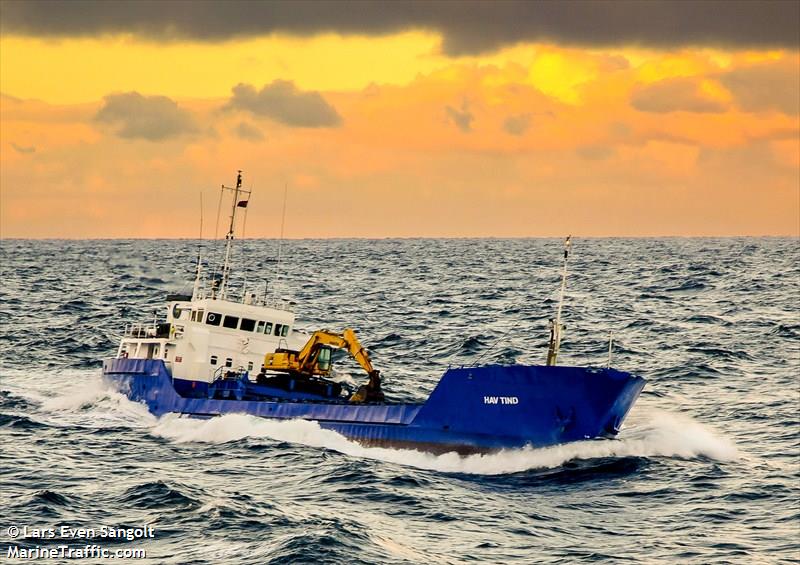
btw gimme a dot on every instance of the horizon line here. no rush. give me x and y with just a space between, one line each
379 238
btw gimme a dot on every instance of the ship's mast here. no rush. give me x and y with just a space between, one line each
556 328
198 270
238 191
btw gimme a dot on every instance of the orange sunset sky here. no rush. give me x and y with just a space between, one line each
401 119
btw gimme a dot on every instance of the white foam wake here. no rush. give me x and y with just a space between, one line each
656 433
70 397
105 406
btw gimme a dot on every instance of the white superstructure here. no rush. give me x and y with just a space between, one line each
209 333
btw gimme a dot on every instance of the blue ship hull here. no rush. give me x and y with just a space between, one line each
473 409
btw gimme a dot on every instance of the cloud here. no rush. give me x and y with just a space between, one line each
467 27
23 149
461 118
518 124
612 63
243 130
284 103
674 95
767 86
154 118
595 152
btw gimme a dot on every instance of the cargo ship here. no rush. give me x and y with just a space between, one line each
217 352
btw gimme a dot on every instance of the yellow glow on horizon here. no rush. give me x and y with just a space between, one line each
673 66
71 71
713 90
559 76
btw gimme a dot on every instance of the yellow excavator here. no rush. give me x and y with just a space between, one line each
314 360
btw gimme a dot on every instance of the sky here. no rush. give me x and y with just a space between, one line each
401 119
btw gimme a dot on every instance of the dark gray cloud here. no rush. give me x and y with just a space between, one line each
154 118
284 103
766 86
23 148
249 132
468 26
461 118
517 125
674 95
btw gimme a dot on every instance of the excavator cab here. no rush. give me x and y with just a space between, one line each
324 359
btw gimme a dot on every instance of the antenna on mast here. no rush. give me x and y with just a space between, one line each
280 241
196 289
556 328
230 236
245 298
214 278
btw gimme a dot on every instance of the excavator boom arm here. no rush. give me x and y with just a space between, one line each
357 351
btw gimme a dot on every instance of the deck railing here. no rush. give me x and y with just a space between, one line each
147 330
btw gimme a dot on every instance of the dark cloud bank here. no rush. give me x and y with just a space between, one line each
468 26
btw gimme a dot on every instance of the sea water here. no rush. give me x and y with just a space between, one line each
706 469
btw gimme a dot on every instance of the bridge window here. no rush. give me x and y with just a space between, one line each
250 366
213 360
231 322
285 330
213 319
268 328
229 362
278 328
247 325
